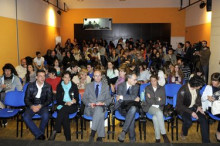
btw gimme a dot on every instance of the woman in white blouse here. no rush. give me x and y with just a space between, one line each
208 97
154 69
112 73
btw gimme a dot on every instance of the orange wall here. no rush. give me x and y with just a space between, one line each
36 37
8 41
124 15
198 33
32 37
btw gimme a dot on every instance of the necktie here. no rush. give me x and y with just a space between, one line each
97 90
128 91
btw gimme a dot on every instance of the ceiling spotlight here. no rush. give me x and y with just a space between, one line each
59 12
202 5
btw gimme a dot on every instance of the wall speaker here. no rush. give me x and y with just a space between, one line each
209 5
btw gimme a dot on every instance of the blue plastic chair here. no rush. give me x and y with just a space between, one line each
149 64
35 117
143 86
180 117
85 118
202 90
45 62
142 91
15 100
25 87
171 90
211 116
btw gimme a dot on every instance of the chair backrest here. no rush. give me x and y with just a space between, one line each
14 99
143 86
25 87
202 90
174 100
149 64
172 89
142 90
80 100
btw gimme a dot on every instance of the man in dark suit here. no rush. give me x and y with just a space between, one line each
37 98
96 98
128 91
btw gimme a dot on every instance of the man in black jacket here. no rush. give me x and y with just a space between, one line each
37 98
189 105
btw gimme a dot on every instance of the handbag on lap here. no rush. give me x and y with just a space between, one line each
215 109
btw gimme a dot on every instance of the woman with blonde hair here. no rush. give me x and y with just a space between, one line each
82 79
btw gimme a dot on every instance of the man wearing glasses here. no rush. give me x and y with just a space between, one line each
96 97
128 92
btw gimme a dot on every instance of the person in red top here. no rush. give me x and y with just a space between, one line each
53 80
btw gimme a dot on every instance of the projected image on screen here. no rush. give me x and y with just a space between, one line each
97 24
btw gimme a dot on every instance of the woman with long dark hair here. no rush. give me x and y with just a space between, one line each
112 73
31 74
176 75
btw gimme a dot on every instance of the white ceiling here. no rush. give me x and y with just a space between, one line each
77 4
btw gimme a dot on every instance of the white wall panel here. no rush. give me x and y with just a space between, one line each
214 65
35 11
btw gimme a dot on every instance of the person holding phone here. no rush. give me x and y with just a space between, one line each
210 94
176 76
67 101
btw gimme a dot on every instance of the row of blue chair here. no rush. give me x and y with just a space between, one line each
15 100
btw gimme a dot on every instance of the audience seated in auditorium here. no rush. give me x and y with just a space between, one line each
128 56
